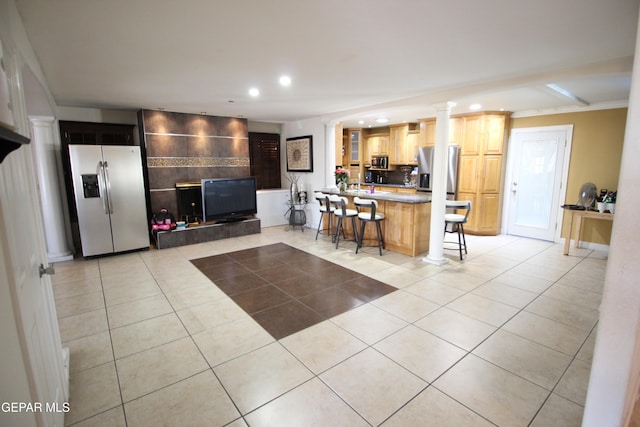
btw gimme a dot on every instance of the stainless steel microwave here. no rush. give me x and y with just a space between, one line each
380 162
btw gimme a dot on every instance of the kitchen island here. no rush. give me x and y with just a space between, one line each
407 219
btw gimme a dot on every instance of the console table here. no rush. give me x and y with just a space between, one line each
578 215
297 215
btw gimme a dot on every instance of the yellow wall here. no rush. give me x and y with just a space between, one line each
596 151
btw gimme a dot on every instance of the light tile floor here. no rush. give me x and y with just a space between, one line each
503 338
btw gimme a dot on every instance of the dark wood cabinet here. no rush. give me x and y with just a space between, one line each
264 152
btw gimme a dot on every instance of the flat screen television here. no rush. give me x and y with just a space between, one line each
228 199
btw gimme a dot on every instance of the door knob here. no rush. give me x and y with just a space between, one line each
46 270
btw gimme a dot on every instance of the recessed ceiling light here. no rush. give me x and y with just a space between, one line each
285 80
361 122
475 107
254 91
382 120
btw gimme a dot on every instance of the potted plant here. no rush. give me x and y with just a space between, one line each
342 178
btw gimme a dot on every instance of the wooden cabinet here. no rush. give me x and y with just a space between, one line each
398 137
472 135
490 178
427 133
404 143
354 145
480 178
376 145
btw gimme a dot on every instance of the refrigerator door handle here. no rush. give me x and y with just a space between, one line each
103 186
108 182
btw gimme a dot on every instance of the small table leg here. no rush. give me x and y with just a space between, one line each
567 240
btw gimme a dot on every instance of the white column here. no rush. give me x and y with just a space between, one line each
439 186
44 149
330 154
615 371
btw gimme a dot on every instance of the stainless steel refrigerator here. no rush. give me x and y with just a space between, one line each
110 198
425 170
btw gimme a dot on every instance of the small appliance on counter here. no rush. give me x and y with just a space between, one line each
369 177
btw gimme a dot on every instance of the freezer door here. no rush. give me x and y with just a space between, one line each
425 165
90 196
452 170
127 203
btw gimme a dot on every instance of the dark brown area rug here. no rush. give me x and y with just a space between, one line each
287 290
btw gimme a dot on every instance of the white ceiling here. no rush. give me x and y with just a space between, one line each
349 60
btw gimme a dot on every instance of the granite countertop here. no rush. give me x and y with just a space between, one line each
390 196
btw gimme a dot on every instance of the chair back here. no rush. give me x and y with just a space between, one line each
460 205
362 205
323 199
340 203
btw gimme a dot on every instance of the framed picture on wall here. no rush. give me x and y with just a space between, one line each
300 154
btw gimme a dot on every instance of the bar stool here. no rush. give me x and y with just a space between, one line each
367 213
457 221
325 208
341 211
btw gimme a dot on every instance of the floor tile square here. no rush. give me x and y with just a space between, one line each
559 412
456 328
366 289
303 285
483 309
360 379
285 319
240 283
138 310
150 370
92 391
369 323
547 332
503 398
434 408
564 312
262 298
534 362
574 383
406 306
260 376
322 346
90 351
210 314
436 292
331 302
230 340
143 335
420 352
198 401
310 404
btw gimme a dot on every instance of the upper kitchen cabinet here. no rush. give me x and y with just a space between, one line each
404 143
472 135
376 143
398 136
354 145
427 137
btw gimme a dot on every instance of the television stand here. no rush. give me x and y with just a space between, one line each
231 220
207 232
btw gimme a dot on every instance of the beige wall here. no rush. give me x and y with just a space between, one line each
595 157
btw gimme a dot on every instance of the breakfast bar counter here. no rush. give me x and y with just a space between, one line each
407 219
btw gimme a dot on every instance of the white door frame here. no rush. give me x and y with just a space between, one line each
506 208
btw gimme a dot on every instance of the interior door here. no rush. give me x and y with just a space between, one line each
538 161
23 250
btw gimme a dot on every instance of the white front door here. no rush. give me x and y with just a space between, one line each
35 324
538 164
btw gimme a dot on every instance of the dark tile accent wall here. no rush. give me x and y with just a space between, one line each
184 147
